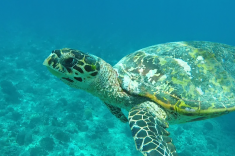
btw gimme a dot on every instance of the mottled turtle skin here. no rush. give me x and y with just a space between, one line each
167 83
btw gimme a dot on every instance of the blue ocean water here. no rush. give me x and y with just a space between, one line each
40 116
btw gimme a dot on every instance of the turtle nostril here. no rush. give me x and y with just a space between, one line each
57 52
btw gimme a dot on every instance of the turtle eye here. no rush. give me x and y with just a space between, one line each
57 52
69 62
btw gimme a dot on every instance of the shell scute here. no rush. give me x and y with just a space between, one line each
193 78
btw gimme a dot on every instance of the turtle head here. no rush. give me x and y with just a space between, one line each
73 67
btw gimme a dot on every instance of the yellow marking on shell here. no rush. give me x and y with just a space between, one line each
191 91
165 87
163 104
183 82
162 61
136 58
212 106
213 81
188 110
226 88
170 89
193 53
207 67
197 111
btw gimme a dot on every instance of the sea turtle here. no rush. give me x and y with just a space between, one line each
159 85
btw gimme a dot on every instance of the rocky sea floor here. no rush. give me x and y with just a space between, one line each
41 116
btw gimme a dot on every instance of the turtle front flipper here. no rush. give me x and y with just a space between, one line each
117 112
149 131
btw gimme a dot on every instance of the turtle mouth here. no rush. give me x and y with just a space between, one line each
54 72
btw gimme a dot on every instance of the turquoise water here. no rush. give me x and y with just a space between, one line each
40 115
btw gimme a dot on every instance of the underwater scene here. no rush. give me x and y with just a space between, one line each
42 116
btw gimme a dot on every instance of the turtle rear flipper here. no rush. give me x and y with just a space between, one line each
149 133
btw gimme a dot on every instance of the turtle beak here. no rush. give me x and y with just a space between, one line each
45 62
52 59
53 65
48 61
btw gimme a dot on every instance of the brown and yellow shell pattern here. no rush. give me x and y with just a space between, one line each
191 78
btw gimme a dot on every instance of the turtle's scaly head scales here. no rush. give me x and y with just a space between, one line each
73 67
